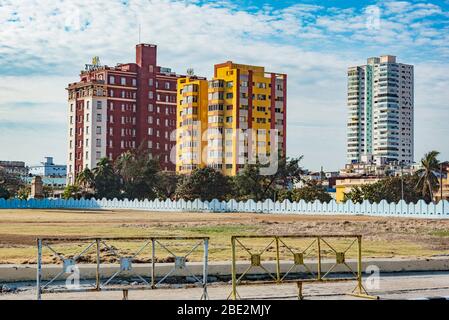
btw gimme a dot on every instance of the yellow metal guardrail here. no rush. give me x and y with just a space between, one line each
321 246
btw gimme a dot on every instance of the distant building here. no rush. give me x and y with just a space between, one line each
381 111
14 167
115 109
48 169
445 181
372 169
345 184
240 113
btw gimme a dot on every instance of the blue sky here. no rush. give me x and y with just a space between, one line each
45 43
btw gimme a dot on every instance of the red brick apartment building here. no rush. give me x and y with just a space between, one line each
114 109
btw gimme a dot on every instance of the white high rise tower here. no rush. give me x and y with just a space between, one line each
381 108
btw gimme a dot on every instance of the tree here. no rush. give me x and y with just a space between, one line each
166 182
248 184
138 171
428 180
4 193
251 184
204 184
389 189
9 183
86 180
23 193
311 192
72 191
107 182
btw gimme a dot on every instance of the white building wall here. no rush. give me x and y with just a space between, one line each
71 133
91 121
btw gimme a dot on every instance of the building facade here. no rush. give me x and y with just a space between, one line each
115 109
238 117
14 167
48 169
381 112
344 185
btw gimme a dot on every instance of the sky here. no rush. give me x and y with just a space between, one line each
45 43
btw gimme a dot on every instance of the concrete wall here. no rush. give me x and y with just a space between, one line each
383 209
12 273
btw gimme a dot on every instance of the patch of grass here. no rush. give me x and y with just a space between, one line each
440 233
222 229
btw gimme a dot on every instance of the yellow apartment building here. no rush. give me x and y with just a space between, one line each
242 116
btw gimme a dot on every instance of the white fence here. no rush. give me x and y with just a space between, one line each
385 209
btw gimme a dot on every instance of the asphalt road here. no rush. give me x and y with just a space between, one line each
389 286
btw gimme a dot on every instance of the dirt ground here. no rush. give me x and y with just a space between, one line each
382 237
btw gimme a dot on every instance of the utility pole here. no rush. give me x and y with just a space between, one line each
441 182
402 180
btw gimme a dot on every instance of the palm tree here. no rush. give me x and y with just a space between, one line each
103 169
85 180
125 165
428 180
107 182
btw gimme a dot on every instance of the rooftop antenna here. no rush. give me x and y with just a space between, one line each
140 31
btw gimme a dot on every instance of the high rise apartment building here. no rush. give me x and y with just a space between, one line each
237 117
114 109
381 112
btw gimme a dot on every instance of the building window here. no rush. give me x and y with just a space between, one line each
150 94
111 80
134 83
150 107
167 85
99 105
123 81
98 143
99 117
98 155
87 117
98 130
150 82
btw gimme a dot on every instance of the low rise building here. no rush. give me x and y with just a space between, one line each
48 169
443 190
14 167
344 185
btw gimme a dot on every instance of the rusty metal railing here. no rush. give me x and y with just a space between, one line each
321 245
70 263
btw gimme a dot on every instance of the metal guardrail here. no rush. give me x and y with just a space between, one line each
322 245
96 245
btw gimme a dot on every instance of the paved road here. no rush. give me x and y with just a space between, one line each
391 286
